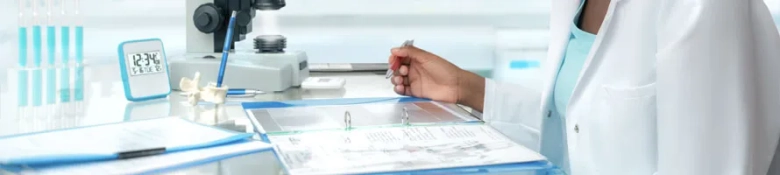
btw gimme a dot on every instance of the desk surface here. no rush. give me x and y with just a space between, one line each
103 102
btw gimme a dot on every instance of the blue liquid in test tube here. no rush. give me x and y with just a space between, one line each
78 90
37 87
65 34
51 76
22 90
51 33
51 85
22 46
65 85
37 50
79 44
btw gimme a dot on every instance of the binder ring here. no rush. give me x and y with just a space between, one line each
405 118
347 119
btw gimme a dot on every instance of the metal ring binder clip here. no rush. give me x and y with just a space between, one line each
405 119
348 120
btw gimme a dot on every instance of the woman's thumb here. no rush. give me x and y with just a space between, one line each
408 52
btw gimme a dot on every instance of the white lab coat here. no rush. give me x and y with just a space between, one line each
688 87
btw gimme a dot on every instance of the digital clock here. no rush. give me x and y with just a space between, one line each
145 63
144 69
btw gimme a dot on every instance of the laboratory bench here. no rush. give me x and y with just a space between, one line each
95 96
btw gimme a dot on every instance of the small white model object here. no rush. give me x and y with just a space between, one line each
210 93
323 83
144 69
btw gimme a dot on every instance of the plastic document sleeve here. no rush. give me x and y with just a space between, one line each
157 164
112 141
280 117
453 149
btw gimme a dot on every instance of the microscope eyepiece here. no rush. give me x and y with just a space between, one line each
268 4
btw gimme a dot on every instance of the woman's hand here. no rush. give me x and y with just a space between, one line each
425 75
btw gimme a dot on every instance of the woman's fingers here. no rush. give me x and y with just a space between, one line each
399 89
401 80
403 90
404 70
398 80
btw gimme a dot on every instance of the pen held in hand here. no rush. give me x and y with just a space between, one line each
396 64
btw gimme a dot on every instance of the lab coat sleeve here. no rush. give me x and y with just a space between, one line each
718 87
514 110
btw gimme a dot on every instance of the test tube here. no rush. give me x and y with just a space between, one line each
37 55
51 33
36 29
65 71
79 32
65 84
22 88
65 34
22 34
78 91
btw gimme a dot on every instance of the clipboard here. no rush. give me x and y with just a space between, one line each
50 157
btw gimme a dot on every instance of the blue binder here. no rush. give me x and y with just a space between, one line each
57 159
539 167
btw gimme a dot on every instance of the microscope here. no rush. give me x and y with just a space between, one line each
269 67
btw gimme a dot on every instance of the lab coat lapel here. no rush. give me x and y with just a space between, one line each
561 17
594 59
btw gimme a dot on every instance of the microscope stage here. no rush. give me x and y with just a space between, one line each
261 71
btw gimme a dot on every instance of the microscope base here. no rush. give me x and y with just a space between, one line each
270 72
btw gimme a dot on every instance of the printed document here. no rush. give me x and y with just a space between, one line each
155 163
398 149
171 132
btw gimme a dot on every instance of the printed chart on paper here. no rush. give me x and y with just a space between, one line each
398 149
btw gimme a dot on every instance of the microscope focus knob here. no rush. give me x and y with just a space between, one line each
207 18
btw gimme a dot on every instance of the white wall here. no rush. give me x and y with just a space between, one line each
463 31
475 34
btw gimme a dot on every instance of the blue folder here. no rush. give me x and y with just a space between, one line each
181 166
48 160
538 167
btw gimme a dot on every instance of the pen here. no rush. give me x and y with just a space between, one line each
238 92
397 63
140 153
226 48
248 92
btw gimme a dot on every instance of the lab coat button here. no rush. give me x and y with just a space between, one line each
549 113
577 128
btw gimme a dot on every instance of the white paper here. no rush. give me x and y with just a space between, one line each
110 139
398 149
146 164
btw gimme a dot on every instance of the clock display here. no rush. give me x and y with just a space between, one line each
144 63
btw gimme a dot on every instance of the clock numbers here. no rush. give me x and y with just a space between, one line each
144 63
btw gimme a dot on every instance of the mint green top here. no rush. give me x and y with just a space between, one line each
577 51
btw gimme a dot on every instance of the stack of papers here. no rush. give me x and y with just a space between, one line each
120 147
402 149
